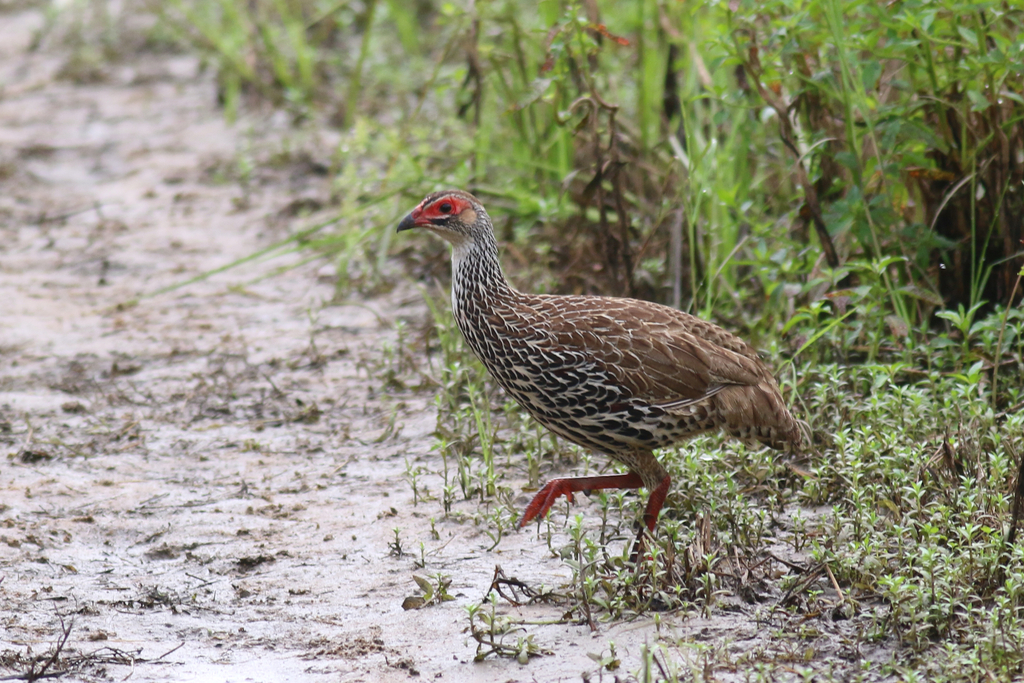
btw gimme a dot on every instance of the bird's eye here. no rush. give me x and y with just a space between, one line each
445 208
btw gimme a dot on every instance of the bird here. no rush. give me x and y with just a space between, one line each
623 377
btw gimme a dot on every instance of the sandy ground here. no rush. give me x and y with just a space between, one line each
191 470
204 486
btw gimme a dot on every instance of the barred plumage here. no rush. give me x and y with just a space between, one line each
620 376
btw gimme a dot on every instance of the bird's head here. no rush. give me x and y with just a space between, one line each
455 215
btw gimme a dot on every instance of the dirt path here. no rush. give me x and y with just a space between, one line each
192 472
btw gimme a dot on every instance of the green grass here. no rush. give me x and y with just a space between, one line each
903 504
715 155
796 148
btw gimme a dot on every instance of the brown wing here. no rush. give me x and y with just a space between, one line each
662 355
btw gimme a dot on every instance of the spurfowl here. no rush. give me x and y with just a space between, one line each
620 376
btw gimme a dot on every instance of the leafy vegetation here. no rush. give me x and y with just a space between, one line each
894 528
842 182
627 135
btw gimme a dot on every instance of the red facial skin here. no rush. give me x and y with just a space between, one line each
433 213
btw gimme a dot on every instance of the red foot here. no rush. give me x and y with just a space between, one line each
556 488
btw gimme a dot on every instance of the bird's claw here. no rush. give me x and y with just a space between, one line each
545 499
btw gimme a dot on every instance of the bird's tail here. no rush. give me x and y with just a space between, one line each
758 413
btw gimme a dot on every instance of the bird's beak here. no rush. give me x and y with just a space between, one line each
408 223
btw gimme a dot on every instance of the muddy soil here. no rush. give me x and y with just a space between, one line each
206 485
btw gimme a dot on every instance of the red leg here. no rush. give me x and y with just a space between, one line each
555 488
654 504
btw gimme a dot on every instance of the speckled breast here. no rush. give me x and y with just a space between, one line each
574 396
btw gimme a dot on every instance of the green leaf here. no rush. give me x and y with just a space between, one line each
927 19
872 70
978 101
848 159
797 318
968 35
405 24
425 586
